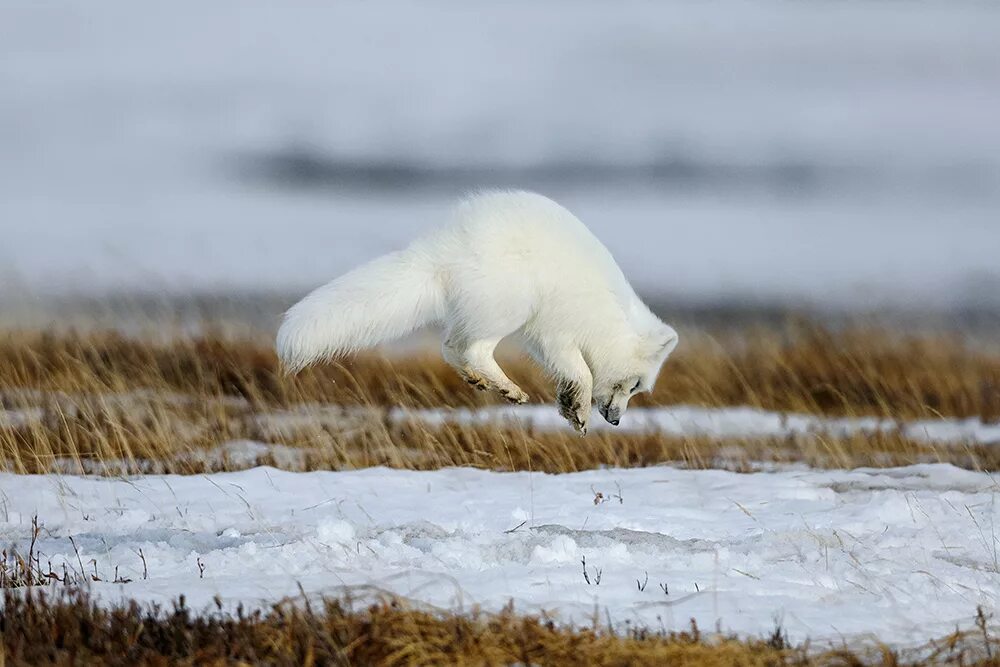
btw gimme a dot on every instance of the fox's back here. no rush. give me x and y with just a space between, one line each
526 236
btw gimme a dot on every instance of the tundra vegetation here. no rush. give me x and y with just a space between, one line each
106 402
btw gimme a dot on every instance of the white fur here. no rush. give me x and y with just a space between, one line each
508 263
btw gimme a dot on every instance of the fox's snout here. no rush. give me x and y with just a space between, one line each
611 413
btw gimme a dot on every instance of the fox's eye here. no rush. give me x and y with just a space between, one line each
636 387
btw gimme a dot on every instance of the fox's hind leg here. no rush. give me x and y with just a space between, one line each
475 363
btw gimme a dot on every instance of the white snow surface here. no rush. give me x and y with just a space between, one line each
903 553
726 422
681 420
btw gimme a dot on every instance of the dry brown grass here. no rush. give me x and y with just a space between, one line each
800 368
106 402
114 433
72 630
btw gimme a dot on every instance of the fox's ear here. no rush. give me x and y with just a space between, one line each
659 342
668 340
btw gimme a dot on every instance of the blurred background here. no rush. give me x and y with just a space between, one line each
835 156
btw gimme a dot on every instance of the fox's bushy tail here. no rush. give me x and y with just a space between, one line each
384 299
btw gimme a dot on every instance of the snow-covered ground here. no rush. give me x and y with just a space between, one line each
903 553
728 422
679 420
836 153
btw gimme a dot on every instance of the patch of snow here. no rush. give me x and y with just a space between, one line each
728 422
234 454
903 553
18 418
246 453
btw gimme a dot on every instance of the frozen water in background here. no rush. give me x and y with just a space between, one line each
840 154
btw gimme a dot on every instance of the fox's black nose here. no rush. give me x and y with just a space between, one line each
614 422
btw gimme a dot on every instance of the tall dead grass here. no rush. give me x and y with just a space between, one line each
107 449
71 630
106 402
800 368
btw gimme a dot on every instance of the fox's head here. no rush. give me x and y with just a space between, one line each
631 369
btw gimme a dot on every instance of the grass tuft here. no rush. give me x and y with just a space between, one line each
70 628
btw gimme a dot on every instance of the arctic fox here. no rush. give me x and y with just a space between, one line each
508 263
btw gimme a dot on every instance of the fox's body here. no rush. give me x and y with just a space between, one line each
508 263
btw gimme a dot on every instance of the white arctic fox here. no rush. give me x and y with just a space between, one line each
509 263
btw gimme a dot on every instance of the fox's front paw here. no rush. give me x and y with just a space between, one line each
572 407
577 419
